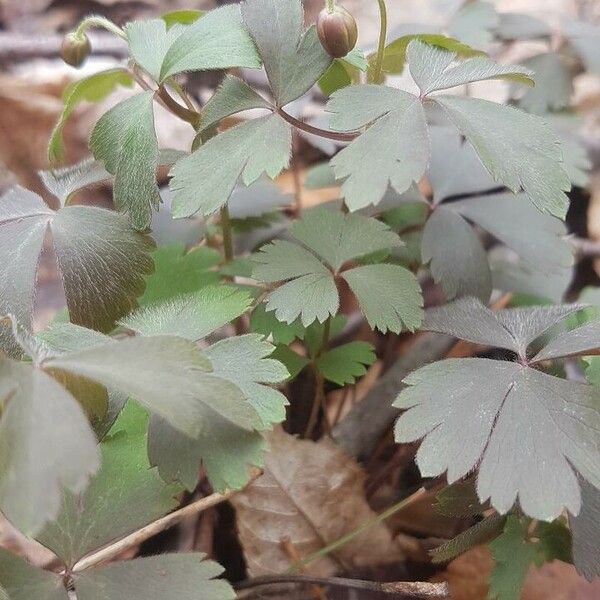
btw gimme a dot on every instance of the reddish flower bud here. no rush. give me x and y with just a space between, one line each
337 31
75 49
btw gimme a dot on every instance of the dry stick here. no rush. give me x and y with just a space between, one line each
413 590
145 533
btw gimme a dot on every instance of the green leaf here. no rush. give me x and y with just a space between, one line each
553 85
474 23
168 375
46 444
513 556
231 97
344 364
576 342
395 52
22 581
585 531
460 265
216 41
267 324
459 500
518 149
125 495
244 361
320 176
179 272
389 296
584 37
204 181
396 143
554 542
94 88
292 361
182 17
431 70
124 139
517 26
294 60
192 316
481 533
555 422
261 199
166 577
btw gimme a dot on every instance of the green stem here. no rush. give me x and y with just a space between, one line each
227 234
98 21
377 76
386 514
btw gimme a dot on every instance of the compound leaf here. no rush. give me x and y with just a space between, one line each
585 531
166 577
216 41
124 139
125 495
294 60
204 181
577 342
192 316
345 363
267 324
46 443
396 142
94 88
555 422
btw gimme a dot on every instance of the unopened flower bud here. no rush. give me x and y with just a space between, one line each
337 31
75 48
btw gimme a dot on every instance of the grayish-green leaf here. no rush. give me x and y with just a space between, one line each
191 316
22 581
166 577
538 238
293 60
266 323
168 375
258 199
244 361
389 296
553 85
205 180
519 150
460 265
518 26
474 23
525 429
396 143
344 364
46 444
283 259
585 531
216 41
585 38
231 97
124 139
430 68
582 340
125 495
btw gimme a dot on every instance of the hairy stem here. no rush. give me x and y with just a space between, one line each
400 589
227 234
190 116
377 75
98 21
145 533
330 135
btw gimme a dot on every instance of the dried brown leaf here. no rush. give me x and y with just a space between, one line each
311 494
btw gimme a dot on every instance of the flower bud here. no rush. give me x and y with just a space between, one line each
75 48
337 31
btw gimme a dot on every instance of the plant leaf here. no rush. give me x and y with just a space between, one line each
204 181
124 139
182 17
93 88
518 149
460 266
166 577
582 340
167 375
585 532
125 495
294 60
244 361
517 26
584 37
192 316
459 500
474 23
389 296
430 68
315 495
267 324
24 581
46 444
179 272
554 420
344 364
398 117
216 41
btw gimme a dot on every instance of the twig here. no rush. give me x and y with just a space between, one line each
398 589
141 535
